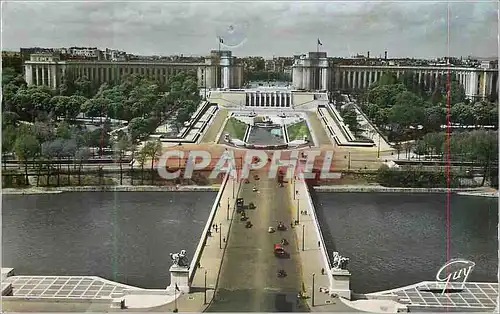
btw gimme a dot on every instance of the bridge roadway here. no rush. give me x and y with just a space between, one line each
248 279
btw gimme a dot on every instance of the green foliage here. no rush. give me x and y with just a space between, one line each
9 134
478 146
63 130
401 105
351 119
140 128
152 149
414 178
26 146
235 128
298 131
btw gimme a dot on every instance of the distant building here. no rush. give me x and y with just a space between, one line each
86 52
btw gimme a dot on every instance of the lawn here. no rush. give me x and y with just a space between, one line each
235 128
297 131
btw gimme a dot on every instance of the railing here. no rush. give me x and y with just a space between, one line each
208 225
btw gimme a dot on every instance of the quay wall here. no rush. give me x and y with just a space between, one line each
111 188
379 188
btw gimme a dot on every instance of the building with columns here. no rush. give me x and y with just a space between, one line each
220 70
312 72
315 72
270 99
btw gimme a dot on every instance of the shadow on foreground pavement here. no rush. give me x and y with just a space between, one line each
268 301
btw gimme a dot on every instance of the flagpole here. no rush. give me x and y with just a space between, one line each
219 69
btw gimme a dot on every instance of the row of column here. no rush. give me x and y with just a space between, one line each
474 84
268 99
41 75
311 78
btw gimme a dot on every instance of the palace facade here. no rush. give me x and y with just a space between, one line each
315 71
218 71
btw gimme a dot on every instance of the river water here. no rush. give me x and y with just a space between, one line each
123 236
394 240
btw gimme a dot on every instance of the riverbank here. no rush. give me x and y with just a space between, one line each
480 191
372 188
111 188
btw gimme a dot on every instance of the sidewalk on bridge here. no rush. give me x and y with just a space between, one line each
311 257
211 257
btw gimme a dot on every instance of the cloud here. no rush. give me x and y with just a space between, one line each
417 29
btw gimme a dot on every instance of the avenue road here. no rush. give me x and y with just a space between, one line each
248 279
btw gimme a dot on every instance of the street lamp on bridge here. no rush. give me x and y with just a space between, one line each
312 294
298 210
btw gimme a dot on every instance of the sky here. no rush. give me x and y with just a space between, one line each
263 28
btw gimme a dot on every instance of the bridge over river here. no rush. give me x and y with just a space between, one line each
248 279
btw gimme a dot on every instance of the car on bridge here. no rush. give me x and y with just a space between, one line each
279 251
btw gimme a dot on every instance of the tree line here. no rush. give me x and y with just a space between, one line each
41 124
400 106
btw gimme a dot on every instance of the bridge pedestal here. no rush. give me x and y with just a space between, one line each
180 276
341 282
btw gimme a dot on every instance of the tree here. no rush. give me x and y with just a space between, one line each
63 130
462 114
138 128
408 110
59 105
141 159
9 135
83 87
122 146
75 105
435 117
457 92
351 119
93 107
383 95
43 131
26 147
9 118
485 149
153 150
481 111
387 78
82 154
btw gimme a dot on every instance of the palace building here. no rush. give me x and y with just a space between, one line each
219 70
315 71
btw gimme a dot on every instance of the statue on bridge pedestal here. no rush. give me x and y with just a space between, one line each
180 259
339 262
